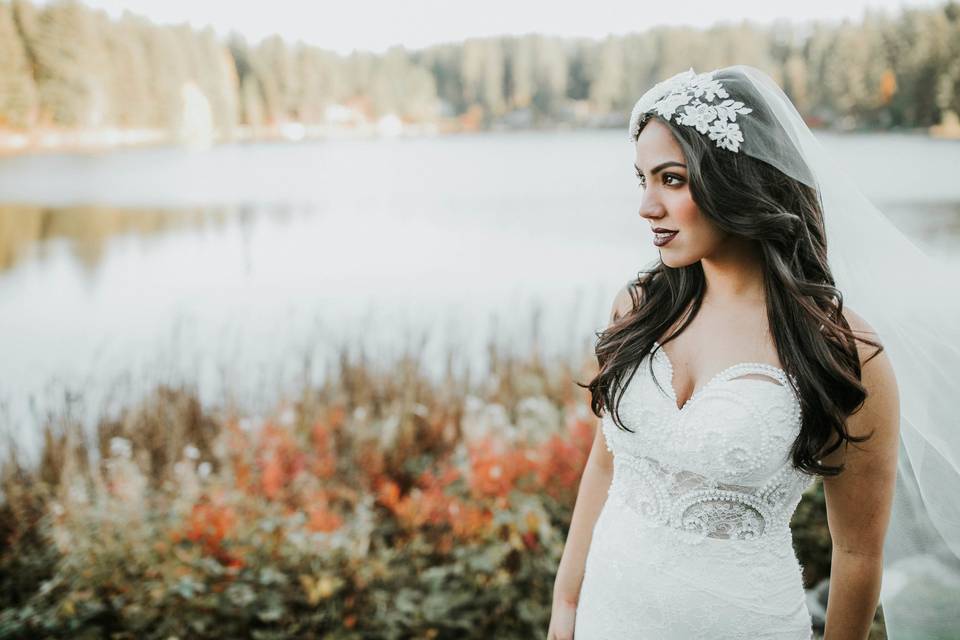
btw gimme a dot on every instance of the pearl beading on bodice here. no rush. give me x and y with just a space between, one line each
694 507
694 539
718 467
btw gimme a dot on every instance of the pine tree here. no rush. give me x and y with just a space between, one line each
18 95
128 84
167 68
68 66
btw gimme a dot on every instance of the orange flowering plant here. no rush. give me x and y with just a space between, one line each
381 504
357 510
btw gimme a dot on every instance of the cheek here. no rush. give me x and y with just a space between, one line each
701 236
687 213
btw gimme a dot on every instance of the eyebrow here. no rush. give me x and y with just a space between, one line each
662 166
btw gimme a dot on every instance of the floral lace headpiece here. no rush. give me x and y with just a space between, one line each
704 107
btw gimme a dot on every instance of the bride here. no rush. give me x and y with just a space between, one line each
731 376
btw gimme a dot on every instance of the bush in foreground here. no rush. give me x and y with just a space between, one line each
380 505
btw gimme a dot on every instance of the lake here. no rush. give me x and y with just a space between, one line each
234 267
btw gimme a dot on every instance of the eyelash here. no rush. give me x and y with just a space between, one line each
679 180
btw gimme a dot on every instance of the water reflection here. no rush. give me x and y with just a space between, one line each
30 232
247 260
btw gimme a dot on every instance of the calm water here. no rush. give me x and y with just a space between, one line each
230 267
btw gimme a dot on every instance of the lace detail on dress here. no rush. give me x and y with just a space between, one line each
694 539
696 506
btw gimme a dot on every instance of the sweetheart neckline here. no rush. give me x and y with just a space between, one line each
697 392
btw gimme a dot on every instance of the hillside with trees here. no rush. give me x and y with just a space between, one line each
65 66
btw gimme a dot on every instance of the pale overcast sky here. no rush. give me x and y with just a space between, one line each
374 25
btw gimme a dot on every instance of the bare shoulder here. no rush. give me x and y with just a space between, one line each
626 300
877 376
863 330
858 323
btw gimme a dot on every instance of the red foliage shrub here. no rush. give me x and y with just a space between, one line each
562 459
494 472
280 459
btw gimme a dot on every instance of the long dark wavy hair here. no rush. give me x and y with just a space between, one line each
746 197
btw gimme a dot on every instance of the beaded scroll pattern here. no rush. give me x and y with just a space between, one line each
718 467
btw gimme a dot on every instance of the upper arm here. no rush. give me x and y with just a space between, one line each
623 301
859 499
622 305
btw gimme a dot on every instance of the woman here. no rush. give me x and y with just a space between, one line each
732 375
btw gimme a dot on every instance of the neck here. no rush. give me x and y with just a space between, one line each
734 273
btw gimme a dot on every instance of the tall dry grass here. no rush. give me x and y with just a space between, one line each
379 503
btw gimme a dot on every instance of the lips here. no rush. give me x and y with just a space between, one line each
662 236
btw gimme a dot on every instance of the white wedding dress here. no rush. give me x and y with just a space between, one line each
694 538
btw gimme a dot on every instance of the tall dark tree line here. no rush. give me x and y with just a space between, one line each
64 64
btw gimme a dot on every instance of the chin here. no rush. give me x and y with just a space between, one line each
676 262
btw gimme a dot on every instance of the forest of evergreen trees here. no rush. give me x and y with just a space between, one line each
65 65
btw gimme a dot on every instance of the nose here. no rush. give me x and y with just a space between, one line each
650 207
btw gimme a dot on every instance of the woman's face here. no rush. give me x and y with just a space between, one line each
667 203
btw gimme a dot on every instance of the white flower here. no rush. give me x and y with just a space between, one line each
120 448
669 104
728 110
674 84
191 452
726 134
649 100
251 423
204 469
699 116
710 89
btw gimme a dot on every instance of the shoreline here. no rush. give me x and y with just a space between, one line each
104 140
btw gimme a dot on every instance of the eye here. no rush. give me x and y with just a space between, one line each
641 180
672 176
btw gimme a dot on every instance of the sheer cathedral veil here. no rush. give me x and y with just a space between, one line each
910 299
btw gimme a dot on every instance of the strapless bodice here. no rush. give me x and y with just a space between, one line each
720 465
694 538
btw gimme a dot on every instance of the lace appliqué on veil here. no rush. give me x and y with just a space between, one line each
696 93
